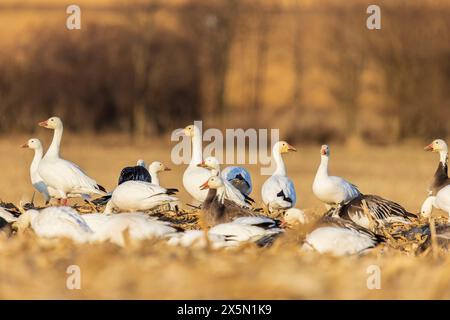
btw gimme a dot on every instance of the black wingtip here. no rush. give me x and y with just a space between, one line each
101 188
171 191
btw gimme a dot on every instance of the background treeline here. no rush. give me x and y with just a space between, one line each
311 68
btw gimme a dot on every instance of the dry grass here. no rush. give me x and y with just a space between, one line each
31 268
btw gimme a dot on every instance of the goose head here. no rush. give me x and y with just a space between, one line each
156 167
189 131
294 216
214 182
210 163
33 143
325 150
427 207
283 147
52 123
437 145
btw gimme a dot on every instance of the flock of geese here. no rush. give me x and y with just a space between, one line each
354 221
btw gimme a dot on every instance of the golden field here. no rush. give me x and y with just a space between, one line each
31 268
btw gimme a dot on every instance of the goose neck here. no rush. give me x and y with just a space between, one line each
280 167
196 150
53 150
36 160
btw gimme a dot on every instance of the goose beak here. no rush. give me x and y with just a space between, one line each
283 223
291 148
25 145
429 147
43 124
204 186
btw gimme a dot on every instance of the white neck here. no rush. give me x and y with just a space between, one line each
36 159
443 155
221 194
197 156
155 178
53 150
323 167
280 168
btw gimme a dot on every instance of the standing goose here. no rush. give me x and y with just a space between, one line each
332 190
139 196
231 192
62 175
372 212
440 201
55 222
340 237
194 175
278 192
216 209
441 178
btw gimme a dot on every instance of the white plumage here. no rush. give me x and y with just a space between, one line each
64 176
278 192
138 196
329 189
440 201
56 222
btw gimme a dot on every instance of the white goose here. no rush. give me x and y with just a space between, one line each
340 237
36 180
331 190
260 230
440 179
278 192
155 168
139 196
194 176
56 222
62 175
112 227
440 201
229 190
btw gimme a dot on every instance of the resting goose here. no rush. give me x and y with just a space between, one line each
139 196
260 230
340 237
440 201
194 175
331 190
278 192
239 177
441 178
217 209
231 192
64 176
55 222
112 227
372 212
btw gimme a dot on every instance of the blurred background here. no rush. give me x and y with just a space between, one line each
310 68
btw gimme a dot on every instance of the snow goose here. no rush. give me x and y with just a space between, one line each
217 209
294 216
441 178
278 192
260 230
231 192
62 175
194 175
138 196
154 169
340 237
372 212
112 227
328 189
440 201
55 222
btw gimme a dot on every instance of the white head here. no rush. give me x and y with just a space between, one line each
325 150
294 216
52 123
156 167
210 163
427 207
214 182
141 163
33 143
190 131
25 219
283 147
437 145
